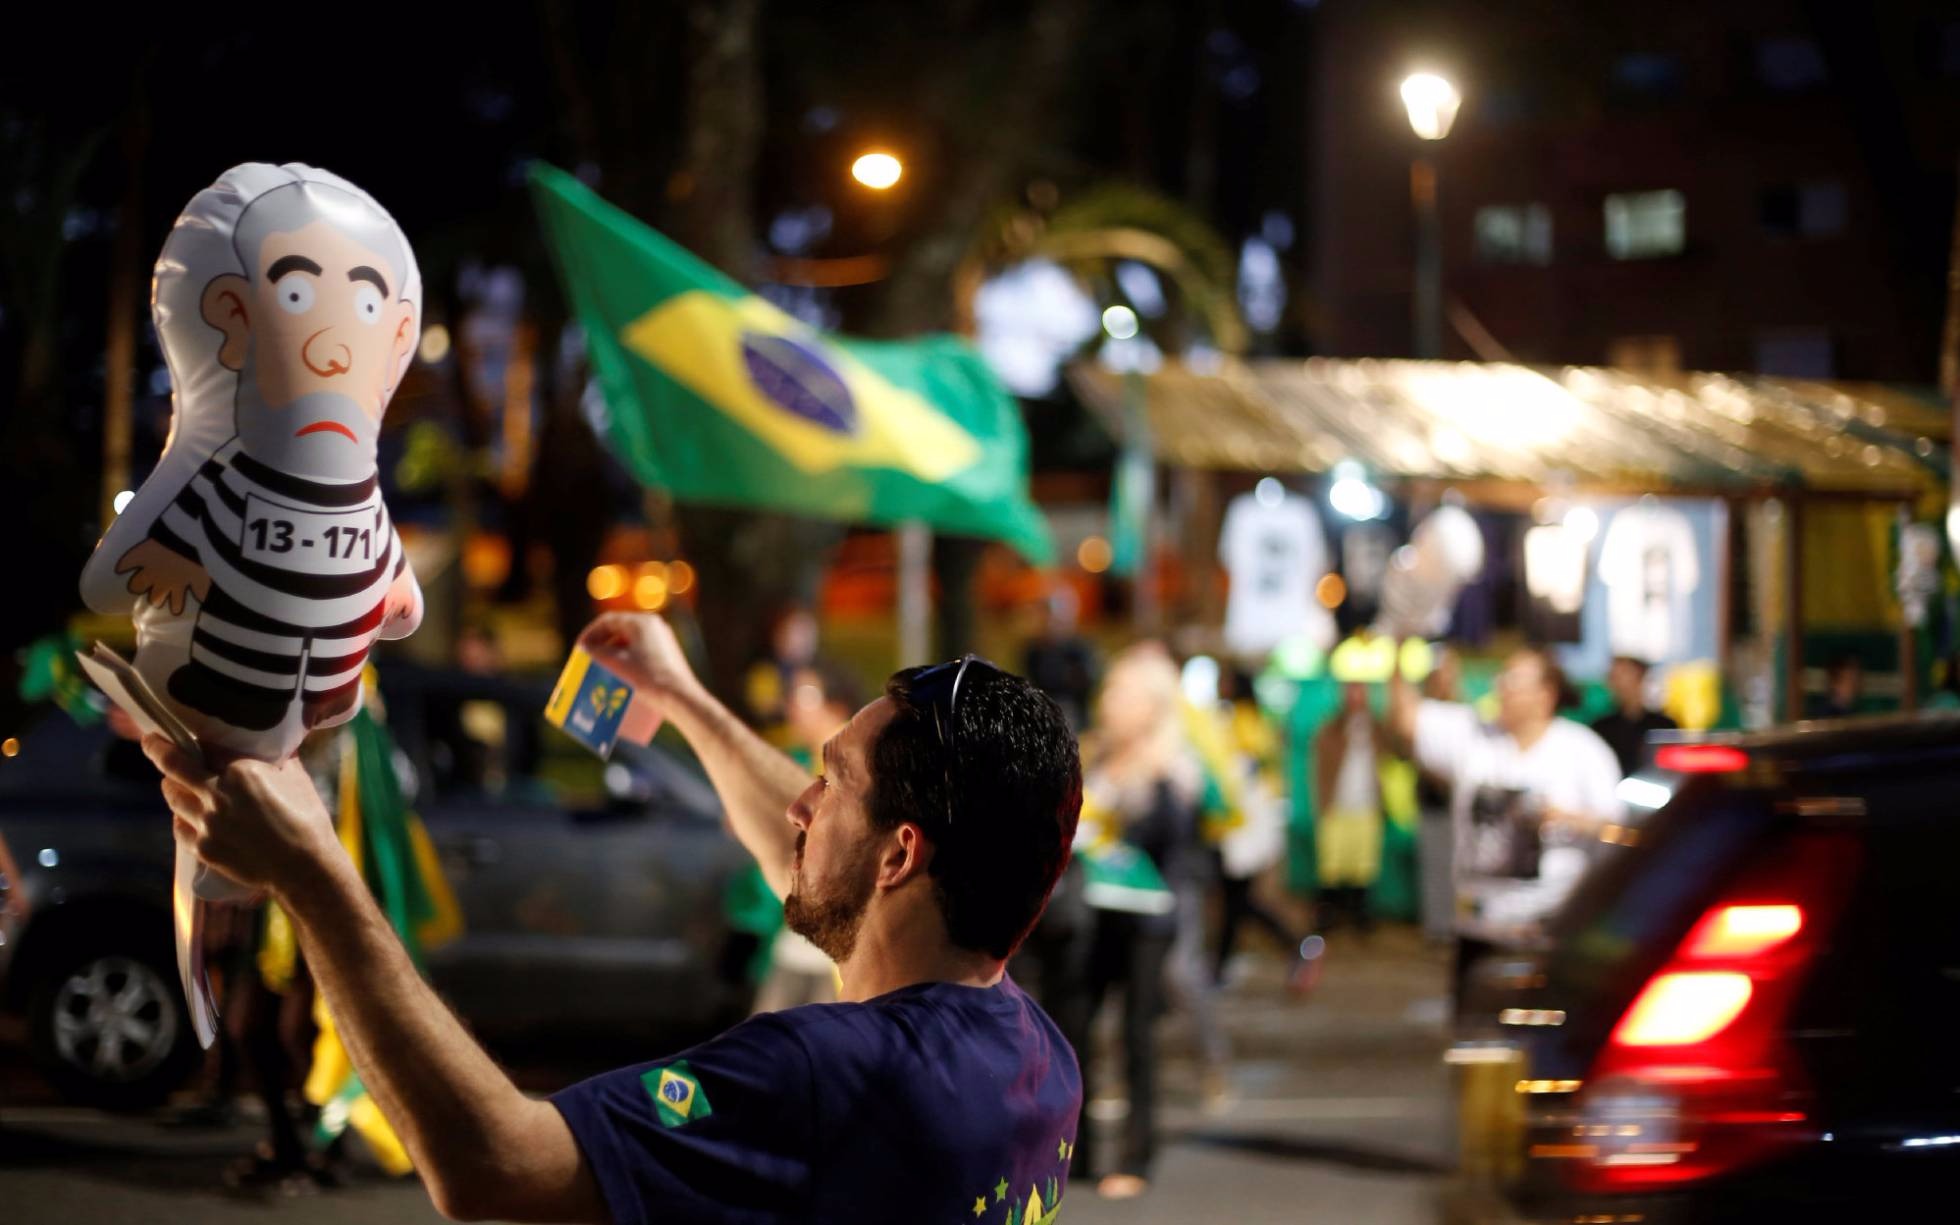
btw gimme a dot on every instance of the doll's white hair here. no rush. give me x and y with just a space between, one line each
296 205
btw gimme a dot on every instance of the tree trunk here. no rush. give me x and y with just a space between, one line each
1005 127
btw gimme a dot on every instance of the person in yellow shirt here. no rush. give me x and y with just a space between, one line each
1348 751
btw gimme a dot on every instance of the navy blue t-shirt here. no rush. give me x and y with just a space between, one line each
935 1103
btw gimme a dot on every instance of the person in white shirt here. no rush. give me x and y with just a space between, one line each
1528 796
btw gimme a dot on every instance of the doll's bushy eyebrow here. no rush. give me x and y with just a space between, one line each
365 273
291 263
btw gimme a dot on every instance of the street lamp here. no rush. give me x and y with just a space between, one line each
877 171
1432 103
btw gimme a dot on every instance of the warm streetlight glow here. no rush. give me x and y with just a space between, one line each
877 170
1432 104
650 591
680 578
1330 591
1094 555
1120 322
606 582
435 343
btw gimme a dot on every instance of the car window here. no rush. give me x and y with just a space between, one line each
500 747
1641 897
58 756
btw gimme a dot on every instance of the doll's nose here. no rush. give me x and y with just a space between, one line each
326 357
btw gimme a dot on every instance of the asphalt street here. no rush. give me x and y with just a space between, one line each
1339 1113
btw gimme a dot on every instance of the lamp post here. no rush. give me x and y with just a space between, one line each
1431 103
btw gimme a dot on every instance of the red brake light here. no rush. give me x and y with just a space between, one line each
1701 758
1697 1079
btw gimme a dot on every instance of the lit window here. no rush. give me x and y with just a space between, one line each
1796 353
1649 74
1790 64
1646 224
1808 210
1946 49
1650 355
1514 234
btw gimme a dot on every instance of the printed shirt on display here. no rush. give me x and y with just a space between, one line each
1275 555
1648 563
934 1103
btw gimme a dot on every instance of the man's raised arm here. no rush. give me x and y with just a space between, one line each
756 783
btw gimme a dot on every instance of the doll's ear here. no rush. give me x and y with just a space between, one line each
224 308
406 332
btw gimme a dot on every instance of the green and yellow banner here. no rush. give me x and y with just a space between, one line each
717 396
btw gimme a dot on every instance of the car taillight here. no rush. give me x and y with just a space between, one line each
1697 1079
1701 758
1683 1008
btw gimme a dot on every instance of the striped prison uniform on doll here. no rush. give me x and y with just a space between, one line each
324 554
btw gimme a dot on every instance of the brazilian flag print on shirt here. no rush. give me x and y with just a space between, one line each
677 1096
717 396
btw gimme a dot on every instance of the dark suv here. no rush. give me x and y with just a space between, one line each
1750 1008
591 891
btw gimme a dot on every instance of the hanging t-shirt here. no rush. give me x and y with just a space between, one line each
1555 576
1649 565
1274 554
936 1102
1508 873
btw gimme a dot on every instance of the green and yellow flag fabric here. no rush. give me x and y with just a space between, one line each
394 854
717 396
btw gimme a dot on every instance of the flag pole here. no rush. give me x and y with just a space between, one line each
914 593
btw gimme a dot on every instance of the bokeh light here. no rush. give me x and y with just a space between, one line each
1094 555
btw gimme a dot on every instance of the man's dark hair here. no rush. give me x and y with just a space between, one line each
1564 696
1000 806
1635 662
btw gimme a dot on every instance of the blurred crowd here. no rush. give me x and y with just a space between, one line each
1207 812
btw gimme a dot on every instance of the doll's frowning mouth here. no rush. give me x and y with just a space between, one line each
318 426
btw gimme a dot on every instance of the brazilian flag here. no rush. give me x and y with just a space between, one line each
717 396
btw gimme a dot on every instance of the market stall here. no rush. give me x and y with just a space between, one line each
1797 457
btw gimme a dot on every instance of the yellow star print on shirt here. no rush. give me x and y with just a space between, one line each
979 1205
1000 1190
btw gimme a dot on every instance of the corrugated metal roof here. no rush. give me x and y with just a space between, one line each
1572 425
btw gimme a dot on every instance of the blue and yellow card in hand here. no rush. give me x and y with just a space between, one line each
591 702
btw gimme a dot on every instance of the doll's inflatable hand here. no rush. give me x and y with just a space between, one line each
162 576
401 611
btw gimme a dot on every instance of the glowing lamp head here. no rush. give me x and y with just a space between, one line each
877 171
1432 103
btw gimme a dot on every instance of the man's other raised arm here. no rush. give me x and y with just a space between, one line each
756 783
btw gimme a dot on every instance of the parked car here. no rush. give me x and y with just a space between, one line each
591 891
1749 1010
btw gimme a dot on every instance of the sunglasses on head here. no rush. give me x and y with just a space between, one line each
938 689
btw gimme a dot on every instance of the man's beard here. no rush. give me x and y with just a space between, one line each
271 435
829 918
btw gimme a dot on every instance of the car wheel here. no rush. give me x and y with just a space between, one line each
109 1027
